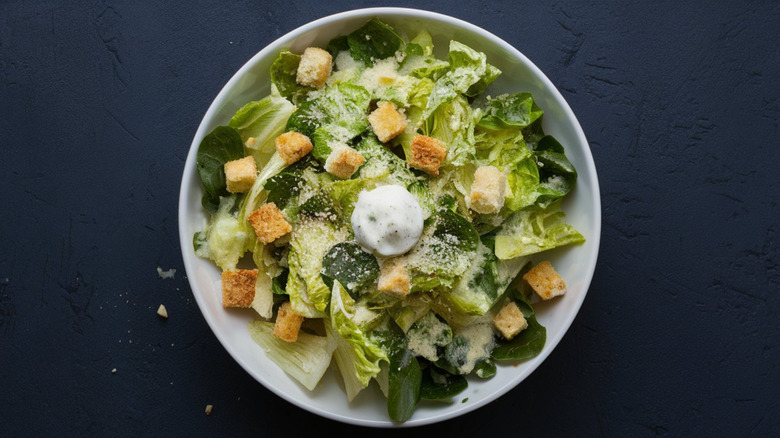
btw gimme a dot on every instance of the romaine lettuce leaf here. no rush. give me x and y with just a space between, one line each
284 73
337 116
535 229
510 110
306 359
310 241
257 193
357 357
467 67
225 239
483 284
263 120
443 253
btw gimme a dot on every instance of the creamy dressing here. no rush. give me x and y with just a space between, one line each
387 220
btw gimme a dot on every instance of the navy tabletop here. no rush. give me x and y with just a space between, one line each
102 334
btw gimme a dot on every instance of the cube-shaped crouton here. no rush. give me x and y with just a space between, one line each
238 287
292 146
314 68
488 190
343 161
394 277
269 223
288 323
545 281
510 321
426 154
240 174
386 121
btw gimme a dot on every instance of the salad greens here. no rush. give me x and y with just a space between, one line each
422 345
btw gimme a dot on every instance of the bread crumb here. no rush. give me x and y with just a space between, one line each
292 146
208 409
545 281
162 311
426 154
269 223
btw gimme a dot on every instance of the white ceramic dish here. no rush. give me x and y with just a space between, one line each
575 263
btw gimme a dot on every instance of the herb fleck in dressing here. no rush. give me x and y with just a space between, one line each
387 220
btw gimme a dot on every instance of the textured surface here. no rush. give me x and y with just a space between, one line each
678 335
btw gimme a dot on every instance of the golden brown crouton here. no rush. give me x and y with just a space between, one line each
240 174
394 278
288 323
292 146
488 190
269 223
386 121
314 68
343 161
427 154
238 287
545 281
510 321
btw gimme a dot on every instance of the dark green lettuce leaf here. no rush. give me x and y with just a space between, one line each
221 145
510 110
374 41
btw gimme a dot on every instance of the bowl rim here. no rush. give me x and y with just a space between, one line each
370 12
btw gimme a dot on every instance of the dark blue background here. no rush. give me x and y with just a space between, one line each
678 335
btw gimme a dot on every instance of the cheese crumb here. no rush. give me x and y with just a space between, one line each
170 273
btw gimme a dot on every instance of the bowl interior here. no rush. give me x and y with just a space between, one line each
576 264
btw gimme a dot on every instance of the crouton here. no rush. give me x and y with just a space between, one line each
488 190
427 154
545 281
240 174
314 68
269 223
343 161
510 321
386 121
238 287
288 323
292 146
394 277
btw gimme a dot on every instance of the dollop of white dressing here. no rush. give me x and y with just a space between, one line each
387 220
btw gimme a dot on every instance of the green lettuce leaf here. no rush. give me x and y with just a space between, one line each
357 357
263 120
225 239
373 41
535 229
310 241
306 359
221 145
510 110
483 284
338 116
467 67
284 73
528 343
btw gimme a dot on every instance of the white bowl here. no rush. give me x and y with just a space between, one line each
575 263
